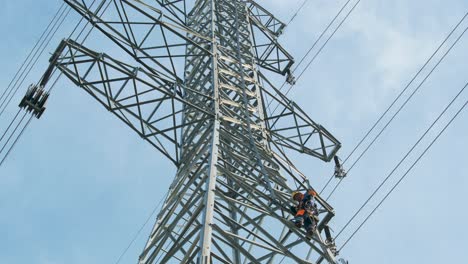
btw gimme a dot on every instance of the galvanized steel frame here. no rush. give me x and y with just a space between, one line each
234 178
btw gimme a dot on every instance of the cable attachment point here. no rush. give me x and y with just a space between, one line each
339 169
290 78
329 241
34 100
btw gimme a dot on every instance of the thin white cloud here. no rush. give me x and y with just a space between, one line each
394 49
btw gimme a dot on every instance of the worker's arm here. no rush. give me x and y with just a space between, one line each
293 210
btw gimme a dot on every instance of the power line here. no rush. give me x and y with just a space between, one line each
32 50
16 140
402 160
315 44
404 175
320 36
30 119
322 47
40 50
399 95
12 134
50 89
78 36
406 101
141 228
37 55
22 130
9 126
297 12
326 42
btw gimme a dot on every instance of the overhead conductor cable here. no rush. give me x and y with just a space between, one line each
405 102
410 168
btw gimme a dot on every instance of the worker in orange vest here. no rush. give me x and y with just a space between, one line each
305 212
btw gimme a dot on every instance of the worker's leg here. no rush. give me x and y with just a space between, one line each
309 224
298 221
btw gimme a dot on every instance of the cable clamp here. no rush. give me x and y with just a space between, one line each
34 100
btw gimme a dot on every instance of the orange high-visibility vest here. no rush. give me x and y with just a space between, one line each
300 212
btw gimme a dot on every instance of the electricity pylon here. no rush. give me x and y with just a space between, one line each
199 97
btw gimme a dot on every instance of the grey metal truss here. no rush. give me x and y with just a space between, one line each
198 97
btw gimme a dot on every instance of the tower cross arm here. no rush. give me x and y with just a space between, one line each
264 19
290 127
156 41
148 103
266 29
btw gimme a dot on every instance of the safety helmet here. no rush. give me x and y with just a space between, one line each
312 192
293 195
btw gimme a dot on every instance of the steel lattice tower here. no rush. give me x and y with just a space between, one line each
198 95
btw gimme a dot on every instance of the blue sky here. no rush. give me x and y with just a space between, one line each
80 184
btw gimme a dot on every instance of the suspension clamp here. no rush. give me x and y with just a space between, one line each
339 169
290 79
34 100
